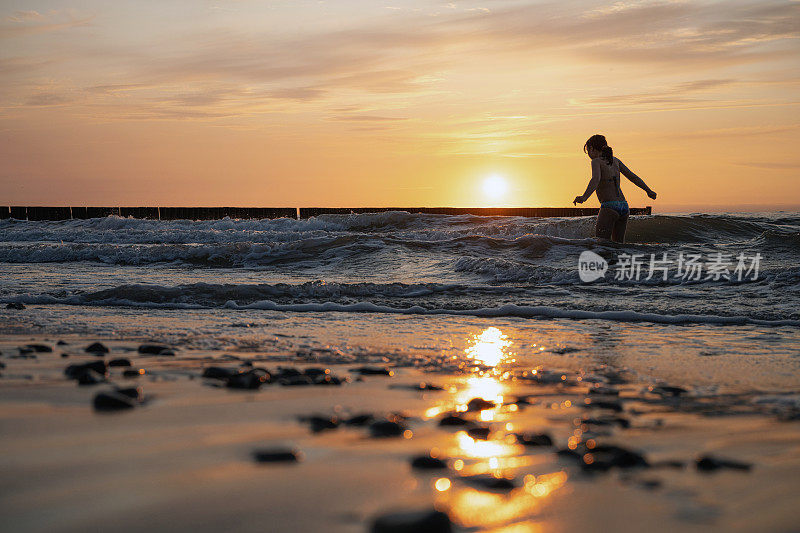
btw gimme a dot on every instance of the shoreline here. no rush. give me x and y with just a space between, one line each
183 454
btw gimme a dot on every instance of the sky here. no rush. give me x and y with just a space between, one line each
398 103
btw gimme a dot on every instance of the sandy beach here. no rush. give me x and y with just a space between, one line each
343 266
505 425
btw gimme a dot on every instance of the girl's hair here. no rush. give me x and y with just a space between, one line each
598 142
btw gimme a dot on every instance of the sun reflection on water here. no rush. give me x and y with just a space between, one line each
480 398
475 508
489 347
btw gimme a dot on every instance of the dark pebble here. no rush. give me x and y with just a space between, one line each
287 372
604 457
360 420
89 377
327 380
603 391
120 362
315 372
321 423
386 428
614 378
276 455
219 372
19 306
479 404
591 403
479 433
64 354
454 420
412 522
709 463
134 393
667 390
39 348
62 343
426 462
534 439
373 371
522 400
486 481
112 401
155 349
607 421
668 464
72 371
421 387
252 379
97 348
296 381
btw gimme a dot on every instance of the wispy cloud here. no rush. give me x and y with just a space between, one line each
22 23
410 54
675 96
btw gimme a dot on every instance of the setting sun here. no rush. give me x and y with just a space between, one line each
495 187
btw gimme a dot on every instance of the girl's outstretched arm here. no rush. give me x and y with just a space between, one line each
636 180
592 183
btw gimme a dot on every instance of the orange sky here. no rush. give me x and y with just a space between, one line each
353 103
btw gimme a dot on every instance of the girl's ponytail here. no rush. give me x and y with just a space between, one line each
608 154
598 142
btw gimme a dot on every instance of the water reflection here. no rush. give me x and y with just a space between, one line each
475 508
489 347
488 447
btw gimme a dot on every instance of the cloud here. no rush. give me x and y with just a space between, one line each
23 23
670 33
770 165
739 131
24 16
672 96
365 118
410 54
48 99
298 93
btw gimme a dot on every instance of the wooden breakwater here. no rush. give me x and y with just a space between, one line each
216 213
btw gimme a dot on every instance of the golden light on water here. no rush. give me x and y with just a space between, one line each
485 387
484 449
489 347
478 509
442 484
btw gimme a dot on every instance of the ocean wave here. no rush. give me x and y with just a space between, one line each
179 301
645 229
502 249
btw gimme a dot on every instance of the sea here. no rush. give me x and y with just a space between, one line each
731 280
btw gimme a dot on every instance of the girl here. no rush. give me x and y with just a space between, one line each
613 216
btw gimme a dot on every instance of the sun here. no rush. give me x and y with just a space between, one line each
495 187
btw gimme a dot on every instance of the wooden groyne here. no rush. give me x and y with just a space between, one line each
216 213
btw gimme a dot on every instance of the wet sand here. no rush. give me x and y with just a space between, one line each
495 435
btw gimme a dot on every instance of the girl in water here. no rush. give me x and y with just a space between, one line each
613 216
